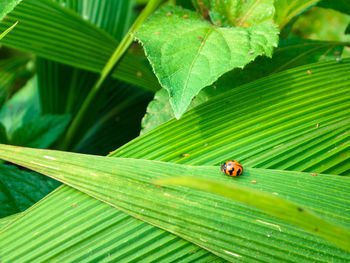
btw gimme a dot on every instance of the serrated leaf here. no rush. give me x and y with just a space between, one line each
40 132
23 189
290 53
188 53
287 9
239 13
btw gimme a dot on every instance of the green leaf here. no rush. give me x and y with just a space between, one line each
40 132
291 120
123 183
20 189
14 73
287 9
339 5
290 53
23 107
6 6
3 34
3 134
51 31
179 46
281 208
240 13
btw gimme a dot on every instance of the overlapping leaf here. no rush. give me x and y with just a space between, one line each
54 32
188 53
292 120
290 53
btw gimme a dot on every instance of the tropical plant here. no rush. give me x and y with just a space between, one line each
212 81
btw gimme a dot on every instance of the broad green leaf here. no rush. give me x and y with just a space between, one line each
281 208
3 34
339 5
51 31
123 182
5 220
298 123
40 132
6 6
237 12
290 53
20 189
287 9
179 46
23 107
69 86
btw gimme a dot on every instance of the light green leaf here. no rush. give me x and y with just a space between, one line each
287 9
290 53
40 132
291 120
240 13
23 188
188 53
123 182
59 34
281 208
6 6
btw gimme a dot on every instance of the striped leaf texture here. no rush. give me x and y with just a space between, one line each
291 121
51 31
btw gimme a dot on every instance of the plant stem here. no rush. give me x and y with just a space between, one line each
106 72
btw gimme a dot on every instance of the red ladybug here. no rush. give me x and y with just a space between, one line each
232 168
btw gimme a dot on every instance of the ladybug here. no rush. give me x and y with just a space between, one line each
232 168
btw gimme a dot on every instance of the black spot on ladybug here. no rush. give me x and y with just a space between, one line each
239 172
300 209
232 170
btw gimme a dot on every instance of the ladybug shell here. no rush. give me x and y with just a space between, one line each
232 168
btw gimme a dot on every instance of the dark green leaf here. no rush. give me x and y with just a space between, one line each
339 5
287 9
40 132
23 107
20 189
3 134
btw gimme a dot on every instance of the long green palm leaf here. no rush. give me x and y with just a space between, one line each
294 112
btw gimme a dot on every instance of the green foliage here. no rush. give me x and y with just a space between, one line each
83 88
73 41
339 5
20 189
290 53
287 9
7 6
274 127
109 180
183 50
